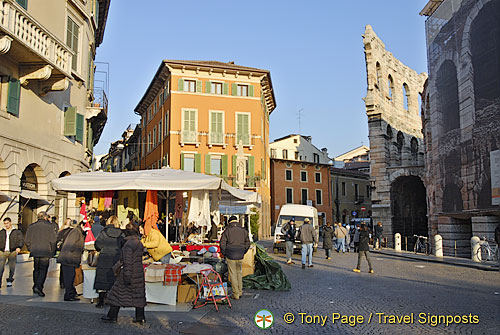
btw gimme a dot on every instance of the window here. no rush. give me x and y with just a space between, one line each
343 189
289 195
189 126
390 87
166 124
188 163
367 191
216 127
243 128
288 175
154 137
356 192
73 124
216 88
189 86
319 197
216 165
316 158
304 193
160 131
296 155
72 34
285 154
149 142
14 95
295 140
242 90
23 3
406 95
317 177
378 73
303 175
273 153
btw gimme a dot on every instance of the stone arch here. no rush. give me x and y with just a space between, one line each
406 97
452 200
390 87
378 74
447 90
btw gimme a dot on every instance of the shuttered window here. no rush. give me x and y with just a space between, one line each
243 128
90 137
216 128
72 33
197 163
80 122
70 121
251 166
224 165
189 126
14 96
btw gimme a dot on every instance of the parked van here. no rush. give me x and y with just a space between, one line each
299 212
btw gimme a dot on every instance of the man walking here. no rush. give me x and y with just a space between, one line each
378 236
308 238
289 230
41 242
11 242
340 234
364 249
234 244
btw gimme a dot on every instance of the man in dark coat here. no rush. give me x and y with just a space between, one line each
289 230
307 238
41 242
107 244
70 259
11 242
378 236
364 248
328 234
234 244
129 289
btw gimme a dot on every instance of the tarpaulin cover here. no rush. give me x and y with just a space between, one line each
268 274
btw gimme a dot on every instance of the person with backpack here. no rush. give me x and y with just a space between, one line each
289 231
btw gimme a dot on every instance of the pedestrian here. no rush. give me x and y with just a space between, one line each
378 236
328 234
364 249
307 238
70 259
497 240
11 242
97 227
109 253
340 234
356 238
234 244
61 236
157 245
129 289
41 242
53 220
289 231
213 235
348 238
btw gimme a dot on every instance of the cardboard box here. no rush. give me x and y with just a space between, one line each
186 293
248 266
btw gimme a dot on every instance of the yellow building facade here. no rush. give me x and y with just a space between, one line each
194 114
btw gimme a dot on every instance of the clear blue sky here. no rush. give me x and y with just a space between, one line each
313 49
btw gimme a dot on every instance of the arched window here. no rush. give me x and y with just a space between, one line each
390 87
447 89
400 140
406 96
389 131
379 74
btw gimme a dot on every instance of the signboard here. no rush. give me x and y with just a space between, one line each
309 202
277 206
354 213
495 177
363 208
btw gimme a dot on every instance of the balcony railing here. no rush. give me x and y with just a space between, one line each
26 32
216 138
189 136
100 100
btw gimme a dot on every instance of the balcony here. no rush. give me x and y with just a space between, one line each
40 54
216 139
189 137
97 112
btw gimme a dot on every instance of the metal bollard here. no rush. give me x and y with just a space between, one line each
475 243
397 242
406 243
438 245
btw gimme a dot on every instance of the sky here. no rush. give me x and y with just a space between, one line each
313 49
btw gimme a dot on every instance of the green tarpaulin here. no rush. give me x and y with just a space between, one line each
268 274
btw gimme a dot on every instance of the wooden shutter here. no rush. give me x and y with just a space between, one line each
14 96
90 137
180 85
197 163
208 87
198 86
234 89
263 168
182 161
225 89
234 165
250 90
80 120
207 164
70 121
251 166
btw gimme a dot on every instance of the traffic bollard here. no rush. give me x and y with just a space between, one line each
475 243
397 242
438 245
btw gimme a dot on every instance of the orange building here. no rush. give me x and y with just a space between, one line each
193 115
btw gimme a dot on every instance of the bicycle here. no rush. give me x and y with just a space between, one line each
422 245
486 252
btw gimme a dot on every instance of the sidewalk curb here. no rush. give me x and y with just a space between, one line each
436 260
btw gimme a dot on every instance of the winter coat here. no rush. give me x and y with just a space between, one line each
364 239
289 232
72 248
129 289
16 239
41 239
61 236
96 229
156 244
328 237
234 242
307 234
378 231
356 235
340 232
107 243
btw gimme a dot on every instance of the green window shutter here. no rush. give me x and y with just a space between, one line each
234 89
250 90
14 97
224 165
197 163
263 168
251 166
207 164
180 85
70 121
80 120
198 86
208 87
182 161
234 165
23 3
90 137
225 89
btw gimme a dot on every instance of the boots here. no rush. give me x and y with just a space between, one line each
100 303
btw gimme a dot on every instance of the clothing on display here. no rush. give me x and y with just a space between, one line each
199 209
179 205
214 208
173 274
151 211
108 199
127 201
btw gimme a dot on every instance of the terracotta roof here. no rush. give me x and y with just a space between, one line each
214 63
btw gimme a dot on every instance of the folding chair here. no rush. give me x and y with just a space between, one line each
213 283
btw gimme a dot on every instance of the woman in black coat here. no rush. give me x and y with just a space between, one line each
107 244
70 259
328 239
129 289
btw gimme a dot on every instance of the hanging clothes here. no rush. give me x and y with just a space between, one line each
95 200
199 209
214 208
127 201
100 206
151 212
108 199
179 205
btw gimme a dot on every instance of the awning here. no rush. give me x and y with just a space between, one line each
4 197
230 210
32 195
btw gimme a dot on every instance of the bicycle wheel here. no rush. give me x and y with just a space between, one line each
417 247
482 253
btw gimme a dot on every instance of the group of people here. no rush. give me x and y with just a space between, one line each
307 237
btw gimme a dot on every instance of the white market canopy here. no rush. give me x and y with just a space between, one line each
164 179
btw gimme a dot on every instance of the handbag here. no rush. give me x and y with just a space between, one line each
117 268
78 276
92 258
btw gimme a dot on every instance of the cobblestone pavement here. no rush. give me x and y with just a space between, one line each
398 287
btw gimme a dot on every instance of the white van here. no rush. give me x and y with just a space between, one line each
299 212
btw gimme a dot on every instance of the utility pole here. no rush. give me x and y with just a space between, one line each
298 117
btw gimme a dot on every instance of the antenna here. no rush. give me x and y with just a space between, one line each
298 117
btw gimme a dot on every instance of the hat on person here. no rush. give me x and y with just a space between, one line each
233 219
292 219
306 220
